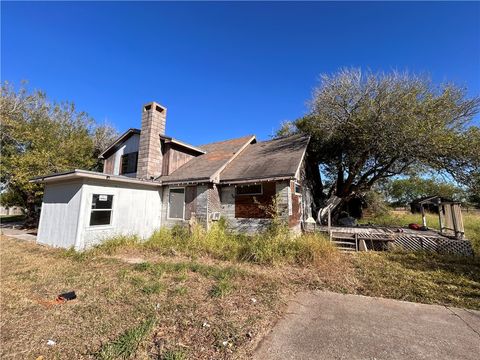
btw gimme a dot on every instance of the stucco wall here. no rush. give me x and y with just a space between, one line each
136 211
59 215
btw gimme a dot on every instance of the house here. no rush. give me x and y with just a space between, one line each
151 180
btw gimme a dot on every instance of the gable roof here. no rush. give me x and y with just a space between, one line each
124 137
206 167
274 159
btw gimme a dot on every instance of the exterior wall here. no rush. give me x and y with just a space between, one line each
255 206
59 216
251 225
174 157
112 164
136 211
150 155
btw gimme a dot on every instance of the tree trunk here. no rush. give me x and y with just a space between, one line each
32 217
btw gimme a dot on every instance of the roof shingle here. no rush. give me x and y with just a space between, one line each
268 159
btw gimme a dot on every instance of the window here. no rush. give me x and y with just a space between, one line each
249 189
298 189
101 213
176 203
129 163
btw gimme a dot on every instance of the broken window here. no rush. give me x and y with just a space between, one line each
255 189
101 213
176 203
129 163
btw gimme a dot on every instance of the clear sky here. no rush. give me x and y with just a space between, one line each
225 70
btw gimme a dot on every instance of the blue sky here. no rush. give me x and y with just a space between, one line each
224 70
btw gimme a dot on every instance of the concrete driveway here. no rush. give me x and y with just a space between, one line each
325 325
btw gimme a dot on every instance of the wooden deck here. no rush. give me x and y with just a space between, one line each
378 237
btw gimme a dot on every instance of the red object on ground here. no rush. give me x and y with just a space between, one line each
414 226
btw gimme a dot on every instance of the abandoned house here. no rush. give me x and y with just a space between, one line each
151 180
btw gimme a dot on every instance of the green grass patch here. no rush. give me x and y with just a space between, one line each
11 218
174 355
127 343
222 288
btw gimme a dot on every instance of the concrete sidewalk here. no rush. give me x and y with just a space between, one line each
325 325
11 231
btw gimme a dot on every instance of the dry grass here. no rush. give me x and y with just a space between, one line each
177 304
115 298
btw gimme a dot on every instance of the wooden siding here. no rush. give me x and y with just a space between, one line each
174 157
253 206
190 201
295 217
108 165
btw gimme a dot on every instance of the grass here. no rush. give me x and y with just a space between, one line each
471 222
419 277
127 343
11 218
191 294
274 246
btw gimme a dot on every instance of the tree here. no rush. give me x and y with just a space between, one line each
401 192
40 137
368 127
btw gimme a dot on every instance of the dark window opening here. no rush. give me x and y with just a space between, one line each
249 189
159 109
129 163
298 188
101 213
148 107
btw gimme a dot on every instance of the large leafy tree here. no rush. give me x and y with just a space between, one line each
368 127
41 137
401 192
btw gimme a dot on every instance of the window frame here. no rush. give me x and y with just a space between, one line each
168 203
295 184
96 210
249 194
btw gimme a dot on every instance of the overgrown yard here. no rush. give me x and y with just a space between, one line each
200 296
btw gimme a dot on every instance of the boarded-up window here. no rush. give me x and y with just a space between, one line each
255 206
129 163
101 213
176 203
190 201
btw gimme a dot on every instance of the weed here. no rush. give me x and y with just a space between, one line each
153 288
221 288
174 355
127 343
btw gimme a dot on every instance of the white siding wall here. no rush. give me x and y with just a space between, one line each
131 145
59 216
136 211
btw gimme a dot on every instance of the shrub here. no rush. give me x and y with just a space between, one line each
274 245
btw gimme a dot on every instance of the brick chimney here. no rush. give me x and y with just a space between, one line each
154 118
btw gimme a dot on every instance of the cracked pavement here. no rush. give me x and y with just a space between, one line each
326 325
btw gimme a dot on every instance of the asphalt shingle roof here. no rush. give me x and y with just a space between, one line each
206 165
267 159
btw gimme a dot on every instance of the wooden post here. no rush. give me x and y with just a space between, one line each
440 210
424 218
329 223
